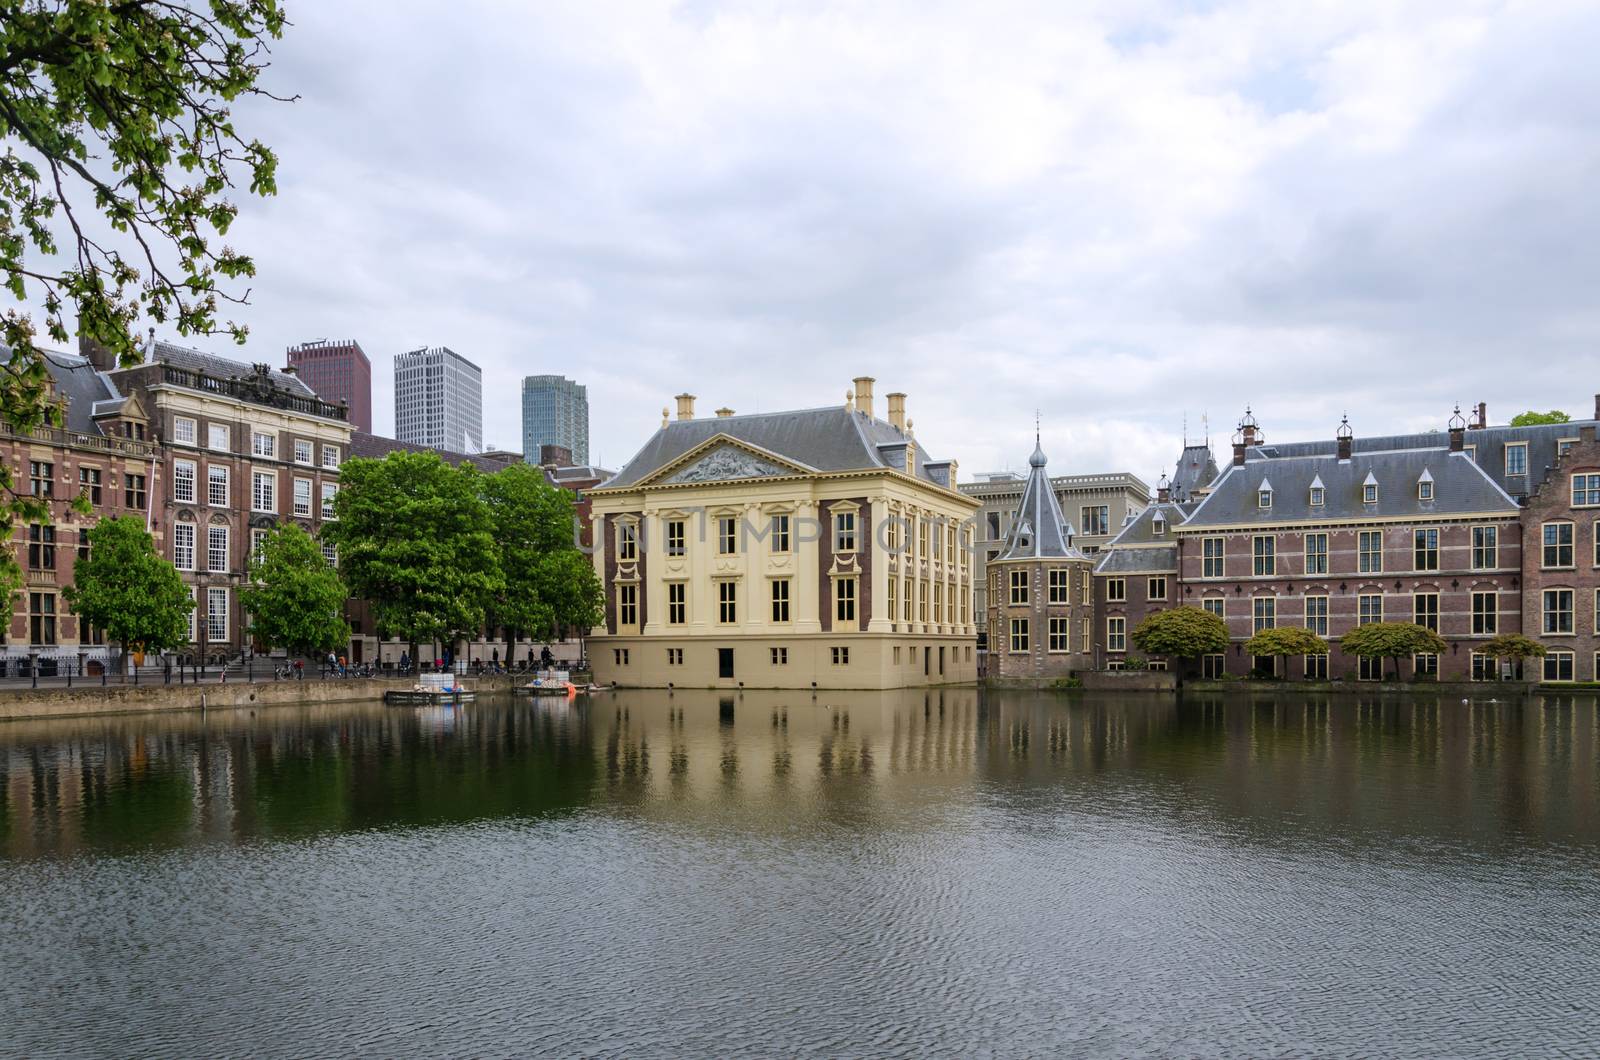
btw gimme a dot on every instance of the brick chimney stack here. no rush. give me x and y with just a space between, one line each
1163 490
685 406
1483 417
1238 448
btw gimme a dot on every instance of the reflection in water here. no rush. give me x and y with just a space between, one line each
899 872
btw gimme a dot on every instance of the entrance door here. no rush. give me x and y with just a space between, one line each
724 662
355 649
941 661
927 654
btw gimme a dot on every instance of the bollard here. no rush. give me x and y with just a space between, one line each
69 675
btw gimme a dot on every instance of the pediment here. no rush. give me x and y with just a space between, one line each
723 459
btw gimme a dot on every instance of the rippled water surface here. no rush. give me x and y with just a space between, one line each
866 874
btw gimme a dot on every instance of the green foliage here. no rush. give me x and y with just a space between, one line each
415 540
1533 419
295 598
1064 683
1185 632
119 156
1286 640
1512 646
129 590
1392 640
548 584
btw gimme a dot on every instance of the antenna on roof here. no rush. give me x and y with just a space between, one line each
1036 427
1186 428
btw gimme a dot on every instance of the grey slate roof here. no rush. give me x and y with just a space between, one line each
1459 486
1489 449
1163 560
1137 548
1197 469
1039 530
826 439
82 385
194 360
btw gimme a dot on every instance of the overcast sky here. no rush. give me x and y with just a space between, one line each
1120 215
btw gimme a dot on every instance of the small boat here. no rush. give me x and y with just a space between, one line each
550 683
430 689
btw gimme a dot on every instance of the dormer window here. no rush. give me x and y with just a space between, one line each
1264 495
1425 486
1319 493
1158 525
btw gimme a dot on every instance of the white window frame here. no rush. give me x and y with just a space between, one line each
330 456
185 430
212 537
330 490
270 506
310 456
183 555
216 617
301 510
222 432
217 476
264 444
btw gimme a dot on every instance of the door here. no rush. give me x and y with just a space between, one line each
724 662
927 654
941 661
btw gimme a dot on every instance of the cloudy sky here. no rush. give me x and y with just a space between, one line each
1121 214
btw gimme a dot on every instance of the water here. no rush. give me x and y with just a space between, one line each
897 874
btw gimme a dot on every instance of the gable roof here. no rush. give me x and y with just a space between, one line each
1137 548
827 439
1197 469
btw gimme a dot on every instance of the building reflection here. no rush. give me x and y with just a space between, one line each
1258 768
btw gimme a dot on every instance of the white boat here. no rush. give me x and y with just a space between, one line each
431 688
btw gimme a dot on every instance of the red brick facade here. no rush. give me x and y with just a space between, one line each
1561 564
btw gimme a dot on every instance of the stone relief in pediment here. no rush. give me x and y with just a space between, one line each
724 463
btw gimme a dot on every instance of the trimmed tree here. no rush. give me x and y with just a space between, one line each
129 590
1392 640
1513 646
1181 632
121 157
414 539
295 597
1286 641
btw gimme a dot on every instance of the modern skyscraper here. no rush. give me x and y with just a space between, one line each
438 400
337 370
555 411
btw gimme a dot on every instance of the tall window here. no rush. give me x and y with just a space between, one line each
1369 609
218 437
1060 635
41 547
1116 590
89 483
780 532
263 444
330 490
1096 518
727 602
183 430
627 540
183 479
1019 634
302 497
1116 634
1425 610
780 599
1425 549
1264 612
1557 545
264 491
627 605
1211 557
183 546
677 603
1516 458
1216 605
1265 551
217 493
217 549
727 535
1558 610
1019 587
1155 589
908 603
1558 666
217 615
844 531
1060 589
844 600
1585 490
1083 636
1316 553
675 543
302 451
1317 615
42 619
1485 612
1485 547
894 613
133 491
42 478
1369 551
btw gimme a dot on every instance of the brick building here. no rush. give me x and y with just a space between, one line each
1561 563
337 370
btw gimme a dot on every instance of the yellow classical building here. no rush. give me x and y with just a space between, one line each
818 548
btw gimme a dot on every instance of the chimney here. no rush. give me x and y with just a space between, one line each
897 410
724 413
1346 438
685 406
1483 416
1458 432
103 359
864 393
1238 453
1164 491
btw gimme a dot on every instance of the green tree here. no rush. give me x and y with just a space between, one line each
120 155
1182 632
1284 641
1533 419
127 589
1392 640
415 540
295 597
1513 646
548 584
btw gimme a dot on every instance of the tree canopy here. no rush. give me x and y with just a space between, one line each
547 583
1512 646
415 541
129 590
295 597
1533 419
1286 640
1392 640
1184 632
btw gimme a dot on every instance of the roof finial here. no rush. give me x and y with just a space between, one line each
1036 428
